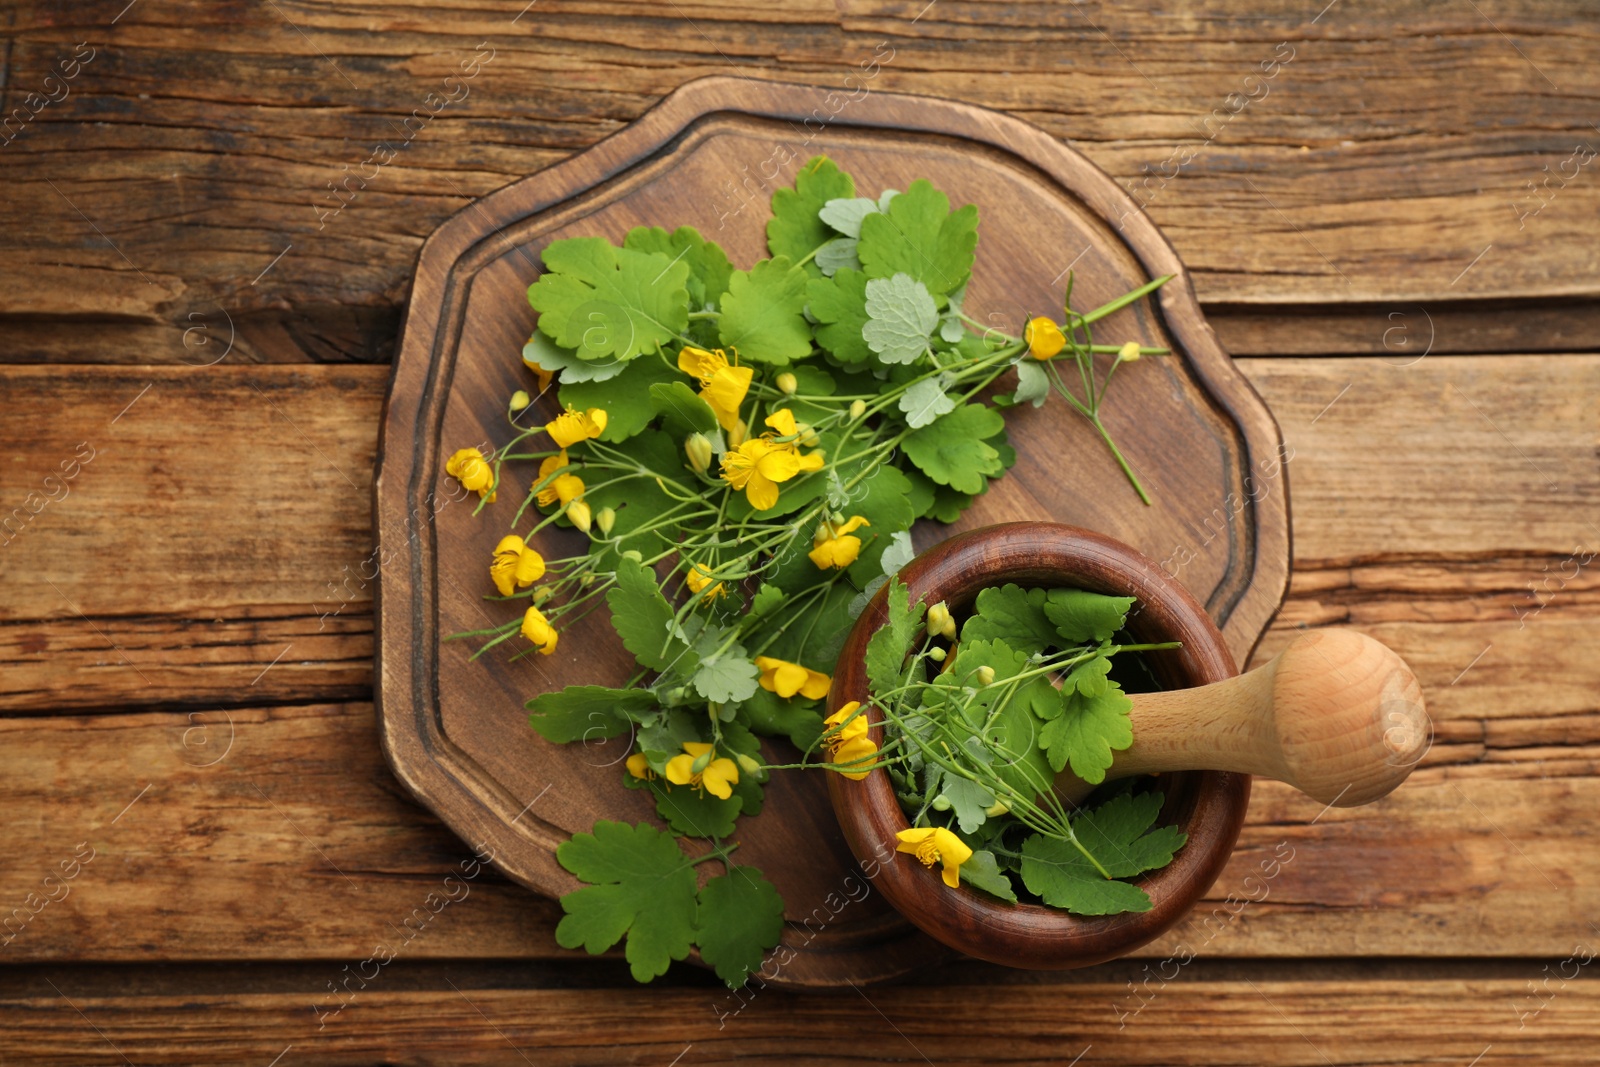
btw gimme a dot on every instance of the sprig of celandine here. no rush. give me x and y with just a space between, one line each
743 454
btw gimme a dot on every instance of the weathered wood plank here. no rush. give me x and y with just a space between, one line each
1414 518
1189 1020
278 833
1292 158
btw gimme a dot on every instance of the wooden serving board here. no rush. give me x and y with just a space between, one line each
708 156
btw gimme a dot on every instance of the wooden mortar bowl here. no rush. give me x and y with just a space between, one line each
1209 806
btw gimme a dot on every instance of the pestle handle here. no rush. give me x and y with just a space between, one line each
1337 715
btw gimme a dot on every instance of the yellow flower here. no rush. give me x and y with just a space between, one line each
697 580
935 844
564 488
722 385
847 742
570 427
836 546
757 467
1044 338
543 375
469 468
716 775
786 679
639 767
1129 353
538 630
515 566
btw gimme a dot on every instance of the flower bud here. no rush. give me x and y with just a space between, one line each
940 624
633 554
578 514
1043 338
999 807
858 408
985 675
746 764
520 400
697 446
604 518
941 803
936 654
1129 352
805 436
541 593
788 383
740 431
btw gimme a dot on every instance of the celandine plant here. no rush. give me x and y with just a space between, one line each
746 451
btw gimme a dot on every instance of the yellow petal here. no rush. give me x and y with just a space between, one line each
761 492
910 839
813 461
509 543
844 713
778 465
530 567
639 767
855 523
699 363
679 770
816 685
719 777
782 421
725 391
856 752
696 749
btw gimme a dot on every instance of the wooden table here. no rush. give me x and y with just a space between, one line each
199 835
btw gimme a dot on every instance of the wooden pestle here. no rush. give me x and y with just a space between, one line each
1337 715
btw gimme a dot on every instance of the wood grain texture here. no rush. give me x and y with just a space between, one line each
1358 171
295 842
1189 1020
446 718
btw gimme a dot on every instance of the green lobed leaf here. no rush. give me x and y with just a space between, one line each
1081 617
952 449
839 304
846 213
900 316
626 398
1116 834
607 302
694 812
683 412
838 254
925 401
795 229
741 917
983 872
587 712
891 642
1088 731
708 263
644 620
763 314
1014 615
918 235
968 801
883 499
642 886
1033 384
770 715
566 363
1064 878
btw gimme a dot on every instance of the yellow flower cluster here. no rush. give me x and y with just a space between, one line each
759 465
847 743
834 545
